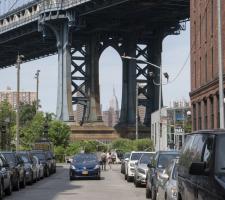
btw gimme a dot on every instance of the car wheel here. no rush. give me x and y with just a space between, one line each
23 184
136 183
129 178
8 191
153 194
125 177
17 186
148 192
1 190
47 173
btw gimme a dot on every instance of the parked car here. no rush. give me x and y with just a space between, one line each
51 158
125 159
167 188
16 166
42 156
141 168
30 167
201 171
155 168
40 167
130 164
85 165
5 177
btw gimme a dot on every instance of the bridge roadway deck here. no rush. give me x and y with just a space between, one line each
92 16
58 187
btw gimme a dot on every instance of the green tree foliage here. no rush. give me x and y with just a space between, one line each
59 133
144 144
27 113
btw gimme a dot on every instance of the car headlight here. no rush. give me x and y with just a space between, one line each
72 167
97 166
174 191
132 164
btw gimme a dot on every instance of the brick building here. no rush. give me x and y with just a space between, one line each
10 96
204 63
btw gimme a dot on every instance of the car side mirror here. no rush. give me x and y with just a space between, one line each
127 159
197 168
149 165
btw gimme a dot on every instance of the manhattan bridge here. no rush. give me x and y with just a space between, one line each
79 31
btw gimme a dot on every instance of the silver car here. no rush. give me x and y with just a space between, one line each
141 168
167 188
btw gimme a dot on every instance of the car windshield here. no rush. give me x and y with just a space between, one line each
41 156
80 158
25 158
126 155
135 156
10 157
145 158
164 159
174 175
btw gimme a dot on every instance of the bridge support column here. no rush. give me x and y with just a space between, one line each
128 107
94 112
64 110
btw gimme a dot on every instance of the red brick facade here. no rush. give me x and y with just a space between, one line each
204 63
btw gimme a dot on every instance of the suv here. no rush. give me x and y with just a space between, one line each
5 177
44 160
201 171
155 168
16 165
130 164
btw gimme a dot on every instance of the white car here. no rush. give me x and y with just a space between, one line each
130 164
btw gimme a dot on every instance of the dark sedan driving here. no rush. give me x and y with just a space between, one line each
85 165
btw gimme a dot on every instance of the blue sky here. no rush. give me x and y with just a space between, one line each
175 52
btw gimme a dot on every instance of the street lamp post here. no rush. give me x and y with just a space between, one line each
18 62
160 91
220 62
136 111
37 89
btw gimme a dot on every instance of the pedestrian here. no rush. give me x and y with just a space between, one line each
110 160
103 160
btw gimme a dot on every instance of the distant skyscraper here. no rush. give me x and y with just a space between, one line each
111 116
10 96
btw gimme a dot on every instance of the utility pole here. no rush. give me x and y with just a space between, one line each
37 89
220 65
136 111
18 62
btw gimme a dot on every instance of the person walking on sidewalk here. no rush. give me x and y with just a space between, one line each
103 160
110 160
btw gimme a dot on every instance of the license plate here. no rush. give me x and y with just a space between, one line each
85 172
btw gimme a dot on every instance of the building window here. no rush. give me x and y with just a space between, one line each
195 75
205 114
206 28
212 17
212 112
199 116
218 113
194 117
206 70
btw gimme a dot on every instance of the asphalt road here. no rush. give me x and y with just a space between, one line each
58 187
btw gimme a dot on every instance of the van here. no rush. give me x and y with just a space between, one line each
201 171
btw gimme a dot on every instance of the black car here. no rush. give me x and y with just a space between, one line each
5 178
123 160
44 160
16 166
85 165
30 167
51 158
201 171
157 166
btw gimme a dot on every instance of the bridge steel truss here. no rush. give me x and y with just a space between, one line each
79 31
